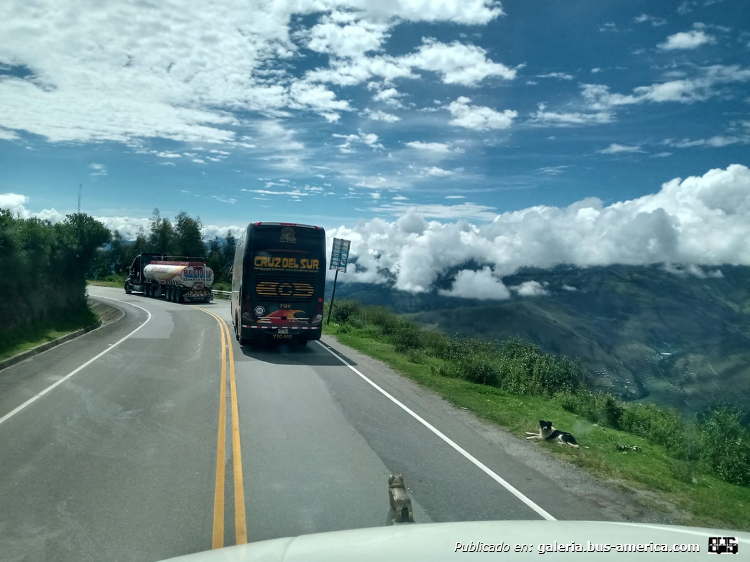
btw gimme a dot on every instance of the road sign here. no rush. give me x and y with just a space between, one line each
340 254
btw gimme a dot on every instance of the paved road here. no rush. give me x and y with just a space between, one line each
119 461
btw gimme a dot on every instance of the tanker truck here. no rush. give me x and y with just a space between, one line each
176 278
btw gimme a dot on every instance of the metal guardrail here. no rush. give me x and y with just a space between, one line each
226 293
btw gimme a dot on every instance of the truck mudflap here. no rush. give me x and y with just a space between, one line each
198 296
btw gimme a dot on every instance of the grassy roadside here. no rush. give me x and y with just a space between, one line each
109 281
38 334
655 477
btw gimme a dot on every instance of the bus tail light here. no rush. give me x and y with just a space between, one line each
319 310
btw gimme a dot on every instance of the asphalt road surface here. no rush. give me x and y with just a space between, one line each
121 444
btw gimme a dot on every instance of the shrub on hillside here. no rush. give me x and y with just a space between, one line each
406 336
343 311
435 342
381 317
725 446
479 368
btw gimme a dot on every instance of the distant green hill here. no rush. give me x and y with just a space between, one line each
643 333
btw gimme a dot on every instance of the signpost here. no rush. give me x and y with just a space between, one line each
339 258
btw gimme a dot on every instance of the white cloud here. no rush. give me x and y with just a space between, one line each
569 119
352 39
700 220
551 170
166 154
717 141
389 96
654 21
558 75
293 193
193 74
530 289
369 139
477 117
15 203
437 172
455 197
615 148
7 135
457 63
438 147
686 40
478 285
569 288
688 91
98 170
382 116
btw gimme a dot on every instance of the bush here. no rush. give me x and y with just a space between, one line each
435 343
478 368
407 336
344 310
725 446
381 317
415 356
664 427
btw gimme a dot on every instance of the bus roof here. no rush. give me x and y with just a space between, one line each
285 224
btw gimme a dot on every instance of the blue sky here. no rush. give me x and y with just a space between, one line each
337 111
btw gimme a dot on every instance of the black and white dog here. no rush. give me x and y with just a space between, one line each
546 431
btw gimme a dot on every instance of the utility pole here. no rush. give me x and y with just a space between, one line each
80 187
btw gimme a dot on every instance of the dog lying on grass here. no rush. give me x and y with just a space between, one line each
547 432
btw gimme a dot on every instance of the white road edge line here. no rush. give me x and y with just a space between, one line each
505 484
33 399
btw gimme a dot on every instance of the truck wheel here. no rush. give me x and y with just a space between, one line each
128 290
147 290
178 296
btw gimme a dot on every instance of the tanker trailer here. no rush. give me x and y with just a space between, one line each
176 278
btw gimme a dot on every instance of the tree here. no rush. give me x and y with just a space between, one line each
230 245
162 237
116 253
215 260
188 239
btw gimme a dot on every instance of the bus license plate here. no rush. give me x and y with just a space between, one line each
283 330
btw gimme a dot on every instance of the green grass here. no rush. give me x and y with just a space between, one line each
109 281
681 487
38 334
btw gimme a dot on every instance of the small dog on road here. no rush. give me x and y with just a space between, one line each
546 431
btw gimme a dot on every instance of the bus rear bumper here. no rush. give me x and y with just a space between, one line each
280 333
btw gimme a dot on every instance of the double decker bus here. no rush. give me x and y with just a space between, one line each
278 281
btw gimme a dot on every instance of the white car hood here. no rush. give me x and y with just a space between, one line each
437 541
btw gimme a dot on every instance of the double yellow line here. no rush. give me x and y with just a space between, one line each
240 524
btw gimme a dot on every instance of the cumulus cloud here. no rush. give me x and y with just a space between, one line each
195 78
686 40
478 117
457 63
481 285
699 220
530 289
369 139
382 116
